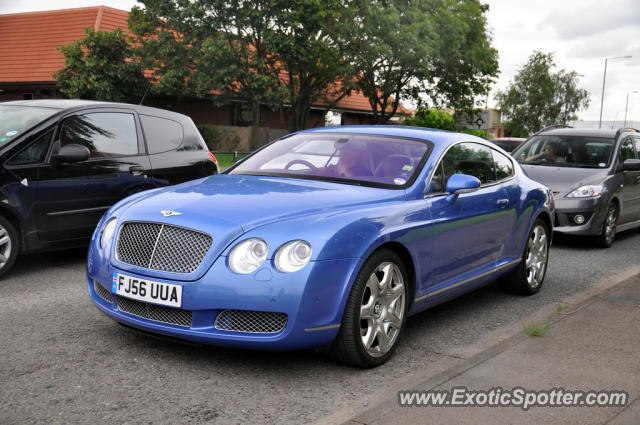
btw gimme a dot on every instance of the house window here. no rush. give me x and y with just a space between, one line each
27 96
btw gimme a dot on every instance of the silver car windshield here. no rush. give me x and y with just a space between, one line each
566 151
16 119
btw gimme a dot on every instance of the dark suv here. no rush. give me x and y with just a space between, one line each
594 176
65 162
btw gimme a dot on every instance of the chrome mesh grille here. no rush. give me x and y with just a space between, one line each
102 293
251 321
157 313
162 247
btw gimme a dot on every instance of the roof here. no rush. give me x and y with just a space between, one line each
584 132
71 104
28 41
28 44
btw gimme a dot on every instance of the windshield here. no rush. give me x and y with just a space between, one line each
356 159
567 151
15 120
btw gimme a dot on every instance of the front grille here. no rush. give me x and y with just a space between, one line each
157 313
102 293
251 321
162 247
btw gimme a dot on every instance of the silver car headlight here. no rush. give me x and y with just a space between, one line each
248 255
107 232
293 256
586 191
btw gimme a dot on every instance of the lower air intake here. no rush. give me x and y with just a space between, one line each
251 321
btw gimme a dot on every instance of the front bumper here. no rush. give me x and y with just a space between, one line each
593 209
313 300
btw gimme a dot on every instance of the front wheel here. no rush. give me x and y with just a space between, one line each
8 246
608 234
527 278
375 313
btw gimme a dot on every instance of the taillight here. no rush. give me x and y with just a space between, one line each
213 158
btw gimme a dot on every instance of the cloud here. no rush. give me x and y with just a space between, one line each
589 18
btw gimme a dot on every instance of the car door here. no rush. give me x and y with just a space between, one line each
630 193
73 196
469 231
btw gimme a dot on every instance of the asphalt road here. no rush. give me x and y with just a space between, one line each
61 361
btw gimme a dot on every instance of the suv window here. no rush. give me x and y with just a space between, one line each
464 158
626 150
35 153
106 134
162 134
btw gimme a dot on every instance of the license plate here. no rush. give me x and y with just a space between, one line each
147 290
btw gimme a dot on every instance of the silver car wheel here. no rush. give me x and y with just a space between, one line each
382 309
610 224
536 258
5 246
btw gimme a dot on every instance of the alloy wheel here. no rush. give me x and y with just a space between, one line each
382 309
536 258
5 246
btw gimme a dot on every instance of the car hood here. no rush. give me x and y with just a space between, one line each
226 206
564 179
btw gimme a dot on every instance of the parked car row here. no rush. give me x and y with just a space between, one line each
326 237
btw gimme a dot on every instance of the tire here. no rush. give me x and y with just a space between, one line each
9 246
373 323
527 278
608 234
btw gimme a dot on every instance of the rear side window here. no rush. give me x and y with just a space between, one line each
106 134
162 135
35 153
504 166
626 150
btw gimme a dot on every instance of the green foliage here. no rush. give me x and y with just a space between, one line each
512 129
536 329
477 133
538 97
101 66
432 118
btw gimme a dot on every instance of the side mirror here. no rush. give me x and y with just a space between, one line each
461 183
72 153
631 165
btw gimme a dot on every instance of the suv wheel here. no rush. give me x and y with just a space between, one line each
606 238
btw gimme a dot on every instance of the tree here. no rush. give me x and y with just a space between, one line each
407 49
538 97
432 118
101 66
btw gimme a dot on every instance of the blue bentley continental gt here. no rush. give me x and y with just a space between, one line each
326 237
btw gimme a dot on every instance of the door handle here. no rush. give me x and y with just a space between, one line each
502 203
136 170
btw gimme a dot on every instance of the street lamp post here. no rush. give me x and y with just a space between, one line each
604 80
626 106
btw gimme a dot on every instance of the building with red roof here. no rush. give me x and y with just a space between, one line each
28 43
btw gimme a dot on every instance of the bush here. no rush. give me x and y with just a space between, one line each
432 118
477 133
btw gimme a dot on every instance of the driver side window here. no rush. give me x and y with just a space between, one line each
469 158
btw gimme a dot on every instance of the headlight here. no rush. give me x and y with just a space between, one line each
107 232
586 191
293 256
248 255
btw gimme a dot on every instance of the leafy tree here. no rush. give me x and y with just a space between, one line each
432 118
406 49
514 130
101 66
538 97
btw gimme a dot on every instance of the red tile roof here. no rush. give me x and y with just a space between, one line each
28 41
28 44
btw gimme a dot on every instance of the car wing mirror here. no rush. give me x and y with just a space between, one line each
72 152
631 165
461 183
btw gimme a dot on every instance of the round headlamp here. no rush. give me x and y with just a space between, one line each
293 256
248 255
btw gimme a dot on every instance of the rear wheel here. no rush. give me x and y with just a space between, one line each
608 234
8 246
527 278
375 313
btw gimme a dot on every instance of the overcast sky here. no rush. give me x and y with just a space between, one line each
582 33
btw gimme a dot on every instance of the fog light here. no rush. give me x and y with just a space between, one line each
579 219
